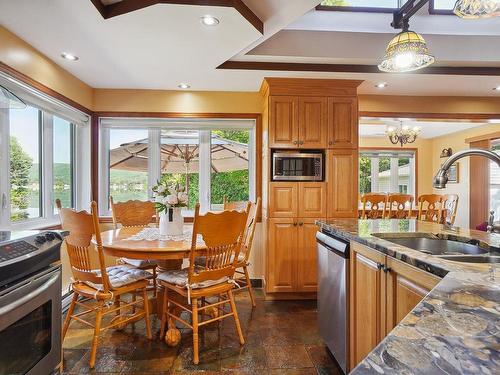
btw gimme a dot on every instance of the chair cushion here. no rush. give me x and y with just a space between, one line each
180 278
201 260
120 276
140 262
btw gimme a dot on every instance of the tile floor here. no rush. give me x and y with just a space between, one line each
281 338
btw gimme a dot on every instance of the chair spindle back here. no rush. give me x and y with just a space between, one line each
133 213
377 205
433 206
397 206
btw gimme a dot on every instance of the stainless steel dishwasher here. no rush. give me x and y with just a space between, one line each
333 272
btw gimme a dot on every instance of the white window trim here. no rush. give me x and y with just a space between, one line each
50 107
154 126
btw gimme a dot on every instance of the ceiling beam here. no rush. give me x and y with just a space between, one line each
127 6
355 68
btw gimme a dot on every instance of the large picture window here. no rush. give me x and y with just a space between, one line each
495 184
212 158
387 171
44 149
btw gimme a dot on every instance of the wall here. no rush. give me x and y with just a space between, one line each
22 57
424 158
457 142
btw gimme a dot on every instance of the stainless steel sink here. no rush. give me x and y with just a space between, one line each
437 244
472 258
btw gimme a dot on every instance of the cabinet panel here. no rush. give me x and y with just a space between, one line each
312 199
367 302
342 123
313 122
283 199
281 255
307 267
342 177
283 131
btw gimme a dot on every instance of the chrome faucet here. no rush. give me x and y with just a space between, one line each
441 177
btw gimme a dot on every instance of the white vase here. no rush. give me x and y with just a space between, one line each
175 221
163 224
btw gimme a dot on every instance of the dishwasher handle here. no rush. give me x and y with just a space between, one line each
334 244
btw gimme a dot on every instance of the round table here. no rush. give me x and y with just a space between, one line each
169 255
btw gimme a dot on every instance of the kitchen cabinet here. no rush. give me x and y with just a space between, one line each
313 122
383 290
291 255
297 199
342 180
283 127
343 123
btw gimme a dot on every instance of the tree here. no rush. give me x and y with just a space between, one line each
20 167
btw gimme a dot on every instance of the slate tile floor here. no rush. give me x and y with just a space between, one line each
281 339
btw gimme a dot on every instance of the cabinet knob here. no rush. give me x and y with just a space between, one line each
380 266
301 223
294 224
330 143
295 142
301 142
387 269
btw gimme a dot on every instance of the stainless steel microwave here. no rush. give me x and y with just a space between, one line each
297 166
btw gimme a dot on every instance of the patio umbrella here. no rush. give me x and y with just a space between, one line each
180 154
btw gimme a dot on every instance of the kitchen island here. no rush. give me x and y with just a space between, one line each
455 329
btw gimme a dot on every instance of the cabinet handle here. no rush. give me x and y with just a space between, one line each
301 223
295 142
380 266
330 143
294 224
387 269
301 142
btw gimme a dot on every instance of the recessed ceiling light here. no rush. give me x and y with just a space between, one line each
381 85
183 86
496 88
69 56
209 20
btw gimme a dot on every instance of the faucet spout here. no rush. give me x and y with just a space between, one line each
441 178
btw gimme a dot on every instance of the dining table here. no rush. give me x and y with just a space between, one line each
146 244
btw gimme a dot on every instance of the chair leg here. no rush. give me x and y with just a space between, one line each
155 286
97 330
134 299
146 311
194 305
249 286
117 305
235 316
164 314
71 308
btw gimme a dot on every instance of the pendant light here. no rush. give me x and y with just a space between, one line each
473 9
9 100
406 52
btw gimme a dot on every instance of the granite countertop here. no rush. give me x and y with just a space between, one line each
455 329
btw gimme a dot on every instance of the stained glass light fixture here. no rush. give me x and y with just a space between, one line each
406 52
473 9
402 134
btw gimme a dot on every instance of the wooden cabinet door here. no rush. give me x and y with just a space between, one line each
281 258
406 287
312 199
342 179
307 267
313 122
367 301
283 199
283 127
342 123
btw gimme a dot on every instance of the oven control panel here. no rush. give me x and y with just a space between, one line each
15 249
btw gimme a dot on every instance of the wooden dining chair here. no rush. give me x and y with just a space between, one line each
450 206
100 287
135 213
215 279
377 205
430 207
399 206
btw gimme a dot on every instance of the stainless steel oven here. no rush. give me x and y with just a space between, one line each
30 324
297 166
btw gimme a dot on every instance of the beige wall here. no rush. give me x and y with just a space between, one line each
19 55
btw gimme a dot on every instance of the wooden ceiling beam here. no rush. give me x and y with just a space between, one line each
127 6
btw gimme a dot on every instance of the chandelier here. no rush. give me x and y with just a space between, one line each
402 134
406 52
473 9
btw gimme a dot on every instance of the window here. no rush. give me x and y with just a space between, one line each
495 184
387 171
44 147
212 158
441 6
361 5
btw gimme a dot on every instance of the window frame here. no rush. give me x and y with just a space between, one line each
154 126
336 8
80 164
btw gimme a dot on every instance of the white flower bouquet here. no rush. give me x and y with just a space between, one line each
167 197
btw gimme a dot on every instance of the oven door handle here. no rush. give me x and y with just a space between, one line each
31 295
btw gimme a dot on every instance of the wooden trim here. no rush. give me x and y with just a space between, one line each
127 6
274 86
354 68
258 139
479 181
94 157
41 87
484 137
333 8
414 149
427 115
